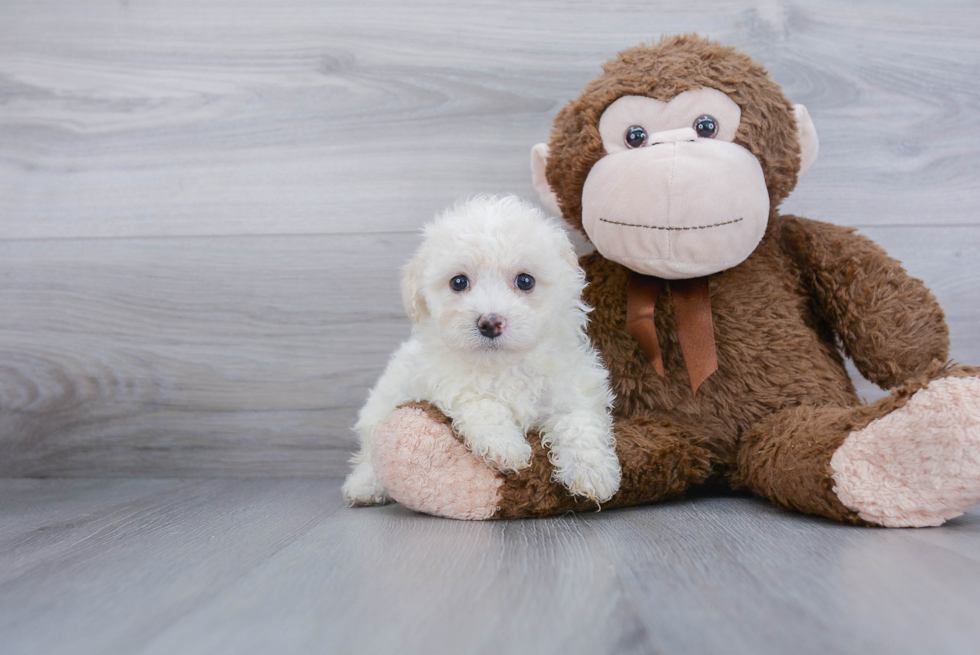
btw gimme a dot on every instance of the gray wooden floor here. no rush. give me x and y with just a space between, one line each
278 566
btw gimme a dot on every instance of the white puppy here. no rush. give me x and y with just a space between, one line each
499 345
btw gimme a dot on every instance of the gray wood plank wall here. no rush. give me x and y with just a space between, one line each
204 204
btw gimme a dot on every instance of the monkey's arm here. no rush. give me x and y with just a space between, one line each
889 322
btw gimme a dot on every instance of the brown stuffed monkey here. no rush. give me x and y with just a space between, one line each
723 323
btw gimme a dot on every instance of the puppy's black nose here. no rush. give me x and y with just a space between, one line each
491 326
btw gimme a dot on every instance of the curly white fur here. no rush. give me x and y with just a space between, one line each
540 373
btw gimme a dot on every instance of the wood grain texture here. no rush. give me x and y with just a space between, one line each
263 566
237 356
219 117
205 204
125 565
249 356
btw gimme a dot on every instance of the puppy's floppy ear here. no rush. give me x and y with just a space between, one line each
568 252
567 249
412 289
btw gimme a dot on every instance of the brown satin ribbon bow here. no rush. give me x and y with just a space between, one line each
695 330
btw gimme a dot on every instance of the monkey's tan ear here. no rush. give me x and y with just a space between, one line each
539 160
412 296
807 134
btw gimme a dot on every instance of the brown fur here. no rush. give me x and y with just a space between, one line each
887 322
781 403
786 458
659 461
780 376
658 458
675 65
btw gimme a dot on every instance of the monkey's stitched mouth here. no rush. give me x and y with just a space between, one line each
670 229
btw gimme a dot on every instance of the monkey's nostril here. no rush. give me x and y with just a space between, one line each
491 326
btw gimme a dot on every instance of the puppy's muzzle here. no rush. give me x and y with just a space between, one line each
491 326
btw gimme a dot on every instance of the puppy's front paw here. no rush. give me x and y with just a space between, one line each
591 472
501 446
362 488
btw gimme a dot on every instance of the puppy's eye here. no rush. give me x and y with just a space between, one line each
706 126
524 282
459 283
636 137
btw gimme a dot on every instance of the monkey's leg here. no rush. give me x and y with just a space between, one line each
424 466
911 459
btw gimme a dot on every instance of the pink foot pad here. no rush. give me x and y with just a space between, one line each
422 465
918 466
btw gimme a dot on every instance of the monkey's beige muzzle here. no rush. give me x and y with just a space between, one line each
681 207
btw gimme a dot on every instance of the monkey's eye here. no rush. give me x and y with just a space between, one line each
524 282
706 126
636 137
459 283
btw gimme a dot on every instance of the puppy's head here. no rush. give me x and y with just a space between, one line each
494 275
